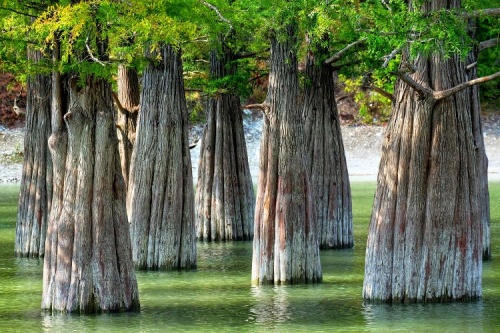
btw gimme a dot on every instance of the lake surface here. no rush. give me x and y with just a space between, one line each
218 296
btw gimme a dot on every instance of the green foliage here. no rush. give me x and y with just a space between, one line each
489 60
196 107
97 35
13 41
373 107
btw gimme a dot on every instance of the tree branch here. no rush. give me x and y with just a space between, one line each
337 56
470 66
483 12
223 19
382 92
120 107
489 43
448 92
18 12
258 77
262 106
390 56
423 91
91 55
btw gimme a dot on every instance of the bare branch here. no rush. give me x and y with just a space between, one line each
423 91
120 107
91 55
18 12
489 43
337 56
200 39
381 91
390 56
258 76
448 92
338 99
223 19
495 12
262 106
470 66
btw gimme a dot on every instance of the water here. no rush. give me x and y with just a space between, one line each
218 297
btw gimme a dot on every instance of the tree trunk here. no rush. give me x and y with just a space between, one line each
36 184
425 236
88 263
326 158
225 200
482 159
285 248
126 120
160 198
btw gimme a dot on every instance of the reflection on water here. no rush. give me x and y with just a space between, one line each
222 300
463 317
271 305
218 297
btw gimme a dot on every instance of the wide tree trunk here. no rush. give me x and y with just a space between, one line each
126 120
326 158
88 264
36 184
425 235
285 248
160 197
225 200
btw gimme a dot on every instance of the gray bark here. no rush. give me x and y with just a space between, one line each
88 264
225 200
285 248
482 159
425 236
36 185
326 158
160 197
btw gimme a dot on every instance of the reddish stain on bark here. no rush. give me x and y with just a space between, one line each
462 244
308 219
280 214
39 215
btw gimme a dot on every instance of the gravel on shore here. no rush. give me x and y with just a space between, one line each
362 144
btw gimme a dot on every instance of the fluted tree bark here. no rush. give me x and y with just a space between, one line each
425 240
482 159
285 248
326 157
160 195
36 184
225 200
88 264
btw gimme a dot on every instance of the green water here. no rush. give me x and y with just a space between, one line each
218 297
